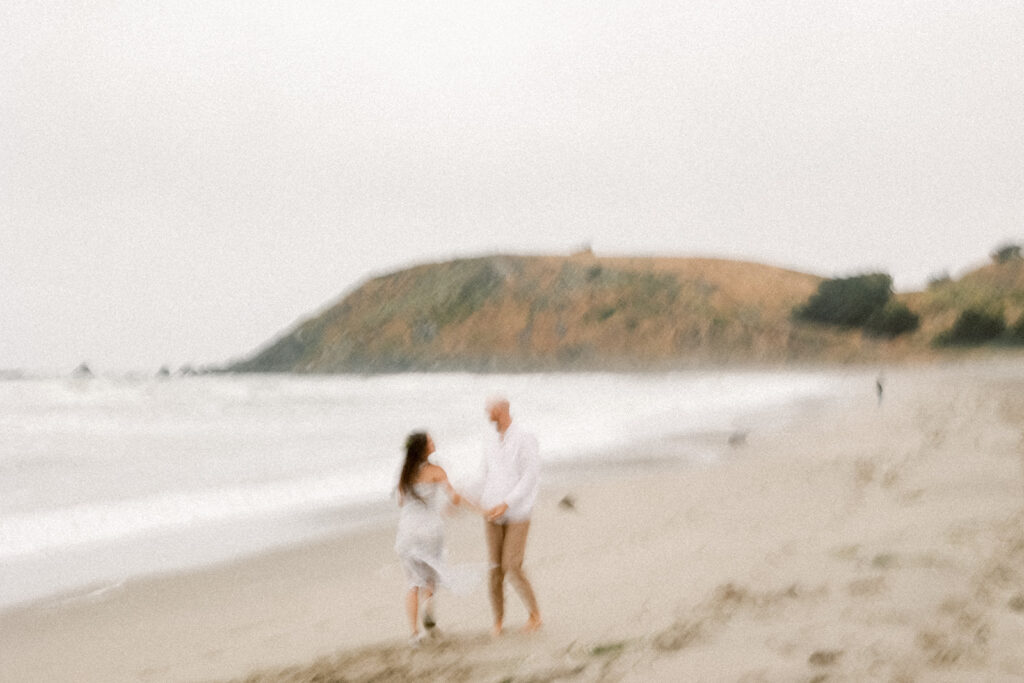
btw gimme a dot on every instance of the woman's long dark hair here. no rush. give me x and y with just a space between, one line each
415 456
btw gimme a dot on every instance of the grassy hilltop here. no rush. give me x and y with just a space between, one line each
997 287
511 313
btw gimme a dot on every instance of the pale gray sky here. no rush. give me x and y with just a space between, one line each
181 180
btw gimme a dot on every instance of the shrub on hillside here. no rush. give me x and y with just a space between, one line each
939 280
1006 253
1015 334
891 321
972 327
847 302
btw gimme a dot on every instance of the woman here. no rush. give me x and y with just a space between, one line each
423 491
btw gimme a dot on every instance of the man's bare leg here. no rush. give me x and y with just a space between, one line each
495 535
533 623
512 552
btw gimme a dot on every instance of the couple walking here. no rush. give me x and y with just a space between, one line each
504 494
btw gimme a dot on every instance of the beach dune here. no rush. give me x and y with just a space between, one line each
868 540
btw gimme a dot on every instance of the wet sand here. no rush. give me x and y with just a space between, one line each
872 542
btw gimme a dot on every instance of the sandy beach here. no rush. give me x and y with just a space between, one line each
876 541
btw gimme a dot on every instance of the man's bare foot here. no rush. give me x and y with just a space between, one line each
533 624
496 631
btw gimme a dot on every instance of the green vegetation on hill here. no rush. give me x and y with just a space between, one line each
863 301
1015 335
974 310
849 301
972 327
892 320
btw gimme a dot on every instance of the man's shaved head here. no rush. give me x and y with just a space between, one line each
498 412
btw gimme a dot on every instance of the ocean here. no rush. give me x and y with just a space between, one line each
106 479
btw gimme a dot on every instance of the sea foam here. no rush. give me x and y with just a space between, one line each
101 466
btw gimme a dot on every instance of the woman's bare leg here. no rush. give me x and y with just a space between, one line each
412 606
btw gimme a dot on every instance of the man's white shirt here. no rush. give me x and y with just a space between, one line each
510 474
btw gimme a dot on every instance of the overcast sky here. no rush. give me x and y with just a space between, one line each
181 181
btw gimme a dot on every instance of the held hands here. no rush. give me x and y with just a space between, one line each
495 512
459 500
490 515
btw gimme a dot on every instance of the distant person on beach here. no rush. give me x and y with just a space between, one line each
423 493
507 488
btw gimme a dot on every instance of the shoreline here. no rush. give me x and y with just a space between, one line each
323 525
873 541
341 522
69 573
334 525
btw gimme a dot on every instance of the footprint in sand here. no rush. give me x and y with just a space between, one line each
824 657
874 585
846 552
885 561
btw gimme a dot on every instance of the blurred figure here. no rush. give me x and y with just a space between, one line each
423 491
508 485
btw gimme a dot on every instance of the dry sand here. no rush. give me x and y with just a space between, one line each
878 542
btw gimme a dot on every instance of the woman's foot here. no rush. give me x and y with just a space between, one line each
416 638
533 624
428 614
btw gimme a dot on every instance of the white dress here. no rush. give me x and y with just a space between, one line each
420 544
420 539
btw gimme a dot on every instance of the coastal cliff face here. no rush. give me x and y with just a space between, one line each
517 313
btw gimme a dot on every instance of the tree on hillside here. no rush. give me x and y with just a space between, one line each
1006 253
972 327
848 302
891 321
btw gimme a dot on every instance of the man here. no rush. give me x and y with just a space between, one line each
508 490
